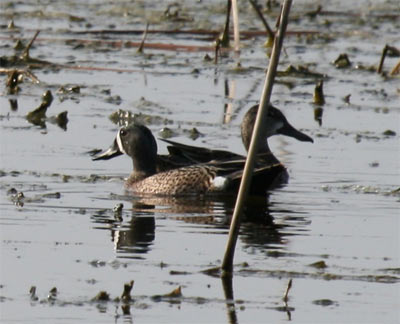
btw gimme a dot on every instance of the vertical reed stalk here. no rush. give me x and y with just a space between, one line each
227 263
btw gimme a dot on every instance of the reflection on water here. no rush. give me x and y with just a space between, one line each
132 237
227 286
133 231
135 237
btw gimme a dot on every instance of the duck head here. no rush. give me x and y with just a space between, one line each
276 124
138 142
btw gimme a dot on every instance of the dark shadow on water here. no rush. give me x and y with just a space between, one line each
133 230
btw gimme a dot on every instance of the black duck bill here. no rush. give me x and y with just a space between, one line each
290 131
112 152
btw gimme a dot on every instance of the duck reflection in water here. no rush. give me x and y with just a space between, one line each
135 237
134 230
132 235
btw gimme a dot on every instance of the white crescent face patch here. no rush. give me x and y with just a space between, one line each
119 142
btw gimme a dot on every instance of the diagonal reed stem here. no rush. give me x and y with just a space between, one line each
227 263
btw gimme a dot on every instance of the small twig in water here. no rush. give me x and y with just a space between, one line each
319 98
140 49
386 50
260 15
396 69
285 297
225 35
25 53
126 294
217 49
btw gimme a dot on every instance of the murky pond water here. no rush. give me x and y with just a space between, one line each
333 229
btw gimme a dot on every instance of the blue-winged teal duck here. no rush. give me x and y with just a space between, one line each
220 174
277 124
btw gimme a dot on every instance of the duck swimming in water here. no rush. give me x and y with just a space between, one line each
204 171
277 124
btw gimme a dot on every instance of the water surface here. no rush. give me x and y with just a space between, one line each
333 229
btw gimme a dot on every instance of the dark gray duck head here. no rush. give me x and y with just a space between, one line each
276 124
138 142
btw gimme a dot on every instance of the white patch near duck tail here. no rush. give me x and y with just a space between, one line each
119 142
220 183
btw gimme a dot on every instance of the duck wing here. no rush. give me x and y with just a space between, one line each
197 154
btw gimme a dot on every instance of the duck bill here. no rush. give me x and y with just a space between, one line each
290 131
110 153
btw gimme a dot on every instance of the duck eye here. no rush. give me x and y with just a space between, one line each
122 132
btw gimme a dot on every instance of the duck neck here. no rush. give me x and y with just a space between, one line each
265 151
142 168
263 147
